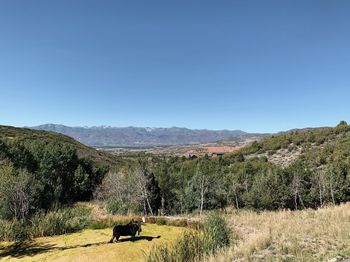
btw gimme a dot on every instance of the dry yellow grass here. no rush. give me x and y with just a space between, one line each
89 245
309 235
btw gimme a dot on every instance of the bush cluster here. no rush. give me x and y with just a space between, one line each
115 206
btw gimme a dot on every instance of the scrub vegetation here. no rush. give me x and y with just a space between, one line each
306 235
295 179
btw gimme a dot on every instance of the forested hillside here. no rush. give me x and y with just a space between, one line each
294 170
24 135
42 170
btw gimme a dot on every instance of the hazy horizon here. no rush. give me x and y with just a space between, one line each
167 127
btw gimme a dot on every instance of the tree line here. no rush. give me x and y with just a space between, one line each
161 185
41 175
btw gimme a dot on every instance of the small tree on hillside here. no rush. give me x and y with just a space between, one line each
15 197
149 189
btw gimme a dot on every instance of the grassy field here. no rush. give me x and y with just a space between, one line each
309 235
90 245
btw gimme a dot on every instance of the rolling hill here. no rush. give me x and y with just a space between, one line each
83 151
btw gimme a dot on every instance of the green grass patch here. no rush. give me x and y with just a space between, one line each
91 245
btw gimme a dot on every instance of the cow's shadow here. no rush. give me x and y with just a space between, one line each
137 238
26 248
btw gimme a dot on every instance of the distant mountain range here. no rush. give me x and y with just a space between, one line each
105 136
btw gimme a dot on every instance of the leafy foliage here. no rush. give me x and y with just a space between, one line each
42 171
115 206
247 179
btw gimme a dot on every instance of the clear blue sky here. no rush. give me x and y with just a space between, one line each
260 66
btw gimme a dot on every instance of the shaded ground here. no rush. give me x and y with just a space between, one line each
89 245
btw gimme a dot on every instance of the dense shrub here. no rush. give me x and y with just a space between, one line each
43 175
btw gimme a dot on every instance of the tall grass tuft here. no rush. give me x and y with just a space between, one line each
46 224
160 253
217 233
14 230
194 245
188 248
59 222
52 223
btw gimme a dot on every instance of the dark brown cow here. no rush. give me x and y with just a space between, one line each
126 230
